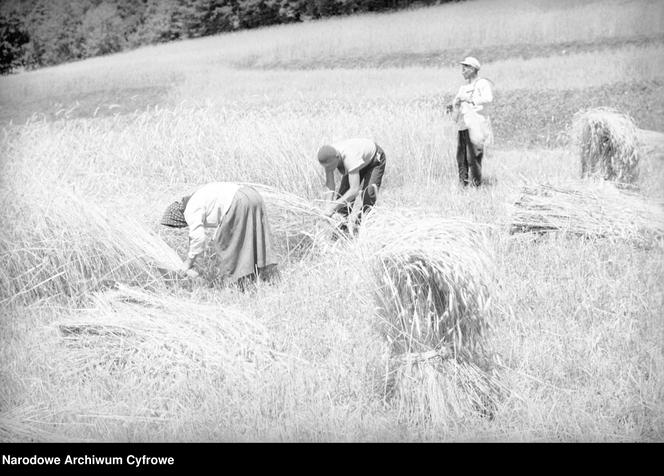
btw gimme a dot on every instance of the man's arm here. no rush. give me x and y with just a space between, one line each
456 101
462 95
353 191
194 220
357 208
483 93
189 263
330 184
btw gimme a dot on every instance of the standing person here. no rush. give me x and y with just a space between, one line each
474 128
361 163
242 237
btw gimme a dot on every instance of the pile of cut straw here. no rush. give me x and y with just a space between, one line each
298 226
129 330
24 424
608 144
588 208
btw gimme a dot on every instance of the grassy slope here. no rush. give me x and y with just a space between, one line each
576 324
535 98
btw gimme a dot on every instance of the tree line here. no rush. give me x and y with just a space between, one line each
35 33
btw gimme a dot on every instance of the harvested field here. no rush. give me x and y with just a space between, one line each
527 309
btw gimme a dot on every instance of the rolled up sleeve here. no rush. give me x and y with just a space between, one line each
194 219
483 93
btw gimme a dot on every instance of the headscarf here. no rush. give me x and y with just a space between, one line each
174 214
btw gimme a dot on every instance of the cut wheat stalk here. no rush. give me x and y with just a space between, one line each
588 208
441 389
60 243
27 424
297 223
127 328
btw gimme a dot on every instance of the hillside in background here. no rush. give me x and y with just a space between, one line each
36 33
546 63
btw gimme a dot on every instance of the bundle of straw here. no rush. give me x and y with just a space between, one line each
131 330
608 144
297 224
431 280
588 208
441 390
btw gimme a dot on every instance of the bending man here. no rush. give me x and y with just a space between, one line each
242 237
361 163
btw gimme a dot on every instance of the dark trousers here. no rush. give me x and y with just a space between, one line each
370 175
469 157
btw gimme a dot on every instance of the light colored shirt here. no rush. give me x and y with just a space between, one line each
479 93
205 209
355 153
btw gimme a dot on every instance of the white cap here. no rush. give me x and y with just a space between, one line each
470 61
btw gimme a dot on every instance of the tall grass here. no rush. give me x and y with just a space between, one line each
334 385
467 25
60 244
425 30
193 145
134 80
576 335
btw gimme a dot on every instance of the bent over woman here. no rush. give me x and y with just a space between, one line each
242 237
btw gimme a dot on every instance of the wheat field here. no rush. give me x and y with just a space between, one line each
100 343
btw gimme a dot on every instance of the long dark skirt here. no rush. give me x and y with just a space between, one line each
242 240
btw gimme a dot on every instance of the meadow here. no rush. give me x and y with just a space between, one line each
93 151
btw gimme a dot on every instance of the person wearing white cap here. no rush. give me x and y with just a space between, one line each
474 128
